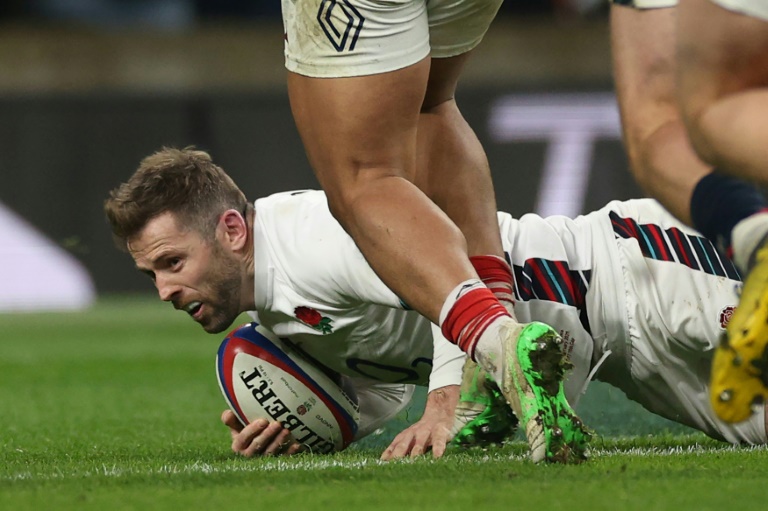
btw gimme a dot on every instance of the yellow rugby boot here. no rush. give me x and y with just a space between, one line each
739 379
735 392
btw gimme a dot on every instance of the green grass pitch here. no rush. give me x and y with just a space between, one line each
117 408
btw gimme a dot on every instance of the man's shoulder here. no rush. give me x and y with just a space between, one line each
293 196
299 207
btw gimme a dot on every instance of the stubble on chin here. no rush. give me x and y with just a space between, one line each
227 293
218 325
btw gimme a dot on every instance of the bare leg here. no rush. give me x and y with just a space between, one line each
453 169
360 136
644 67
722 87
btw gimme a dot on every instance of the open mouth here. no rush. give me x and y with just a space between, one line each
193 308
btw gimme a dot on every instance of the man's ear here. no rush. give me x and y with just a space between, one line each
234 229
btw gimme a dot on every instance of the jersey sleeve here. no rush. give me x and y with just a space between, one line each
447 361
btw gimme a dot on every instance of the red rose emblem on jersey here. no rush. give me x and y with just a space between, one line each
308 316
313 318
725 316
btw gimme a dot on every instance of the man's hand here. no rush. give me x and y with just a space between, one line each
260 438
432 431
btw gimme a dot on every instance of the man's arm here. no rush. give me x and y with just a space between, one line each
432 431
260 438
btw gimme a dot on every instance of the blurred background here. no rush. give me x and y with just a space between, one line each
89 87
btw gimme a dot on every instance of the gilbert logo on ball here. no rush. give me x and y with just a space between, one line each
262 376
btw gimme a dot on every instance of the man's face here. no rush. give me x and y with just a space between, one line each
204 279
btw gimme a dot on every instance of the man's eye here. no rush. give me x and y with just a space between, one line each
174 262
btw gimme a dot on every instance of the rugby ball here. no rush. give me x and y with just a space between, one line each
263 376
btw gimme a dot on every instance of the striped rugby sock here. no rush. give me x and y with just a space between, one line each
720 202
496 274
467 312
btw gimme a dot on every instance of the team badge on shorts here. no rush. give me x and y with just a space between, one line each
725 316
341 22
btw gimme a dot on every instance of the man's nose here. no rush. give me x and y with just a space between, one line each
166 289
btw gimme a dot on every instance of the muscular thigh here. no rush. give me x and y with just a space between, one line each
343 38
643 48
720 50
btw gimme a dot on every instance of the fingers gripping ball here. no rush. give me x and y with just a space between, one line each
262 376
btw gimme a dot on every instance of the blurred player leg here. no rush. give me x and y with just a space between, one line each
722 88
661 157
733 214
723 57
644 66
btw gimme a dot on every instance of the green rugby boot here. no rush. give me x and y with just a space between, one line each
483 416
532 374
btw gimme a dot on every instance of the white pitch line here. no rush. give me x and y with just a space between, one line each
287 465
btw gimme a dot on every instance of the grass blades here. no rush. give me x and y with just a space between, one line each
117 408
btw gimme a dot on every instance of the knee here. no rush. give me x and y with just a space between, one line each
647 144
697 134
694 104
348 199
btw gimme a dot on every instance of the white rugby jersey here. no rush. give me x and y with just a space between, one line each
637 297
313 286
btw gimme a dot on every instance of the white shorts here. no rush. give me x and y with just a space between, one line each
379 402
647 4
343 38
754 8
675 316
